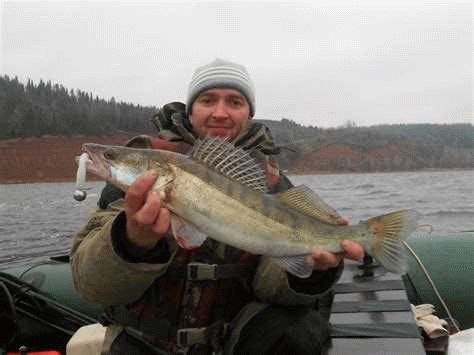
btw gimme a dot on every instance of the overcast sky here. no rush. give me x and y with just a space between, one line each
321 64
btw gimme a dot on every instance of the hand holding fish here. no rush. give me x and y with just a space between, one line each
147 220
324 260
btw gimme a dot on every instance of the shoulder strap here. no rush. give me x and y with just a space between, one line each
109 194
179 146
141 141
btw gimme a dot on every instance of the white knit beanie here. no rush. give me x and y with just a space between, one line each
221 74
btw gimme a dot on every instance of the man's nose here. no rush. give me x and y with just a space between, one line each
220 110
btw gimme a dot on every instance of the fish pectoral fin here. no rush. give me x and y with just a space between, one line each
160 183
295 264
186 234
306 201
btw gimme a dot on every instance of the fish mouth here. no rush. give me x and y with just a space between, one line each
97 164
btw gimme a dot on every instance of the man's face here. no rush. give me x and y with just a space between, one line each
219 112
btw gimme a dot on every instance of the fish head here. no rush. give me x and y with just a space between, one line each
123 165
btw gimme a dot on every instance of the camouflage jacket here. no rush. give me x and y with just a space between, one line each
158 293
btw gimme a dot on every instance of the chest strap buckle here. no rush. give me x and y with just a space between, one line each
191 336
187 337
201 271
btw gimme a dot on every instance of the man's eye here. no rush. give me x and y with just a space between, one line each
205 100
236 102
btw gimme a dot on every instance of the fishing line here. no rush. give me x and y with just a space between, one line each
435 289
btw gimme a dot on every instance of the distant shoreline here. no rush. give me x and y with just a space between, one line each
52 158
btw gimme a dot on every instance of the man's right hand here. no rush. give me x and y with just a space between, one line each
147 220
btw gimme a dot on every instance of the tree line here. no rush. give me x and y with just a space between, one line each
292 134
51 109
399 147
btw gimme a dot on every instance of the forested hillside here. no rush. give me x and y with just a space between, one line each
50 110
34 110
375 148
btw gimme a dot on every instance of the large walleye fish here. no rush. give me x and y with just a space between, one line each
219 191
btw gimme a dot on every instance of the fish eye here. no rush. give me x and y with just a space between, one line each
108 154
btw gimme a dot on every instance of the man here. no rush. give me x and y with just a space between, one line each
216 299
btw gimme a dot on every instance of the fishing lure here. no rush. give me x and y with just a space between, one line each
80 193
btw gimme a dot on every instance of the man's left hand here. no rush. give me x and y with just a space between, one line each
324 260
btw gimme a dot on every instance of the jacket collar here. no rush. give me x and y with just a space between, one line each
173 125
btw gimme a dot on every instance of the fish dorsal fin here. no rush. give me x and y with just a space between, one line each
305 200
237 164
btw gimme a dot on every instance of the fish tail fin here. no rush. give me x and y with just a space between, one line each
388 233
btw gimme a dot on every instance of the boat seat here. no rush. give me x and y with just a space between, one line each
371 315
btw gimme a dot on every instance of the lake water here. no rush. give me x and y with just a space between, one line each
38 220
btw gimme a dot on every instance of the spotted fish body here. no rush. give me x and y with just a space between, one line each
220 192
